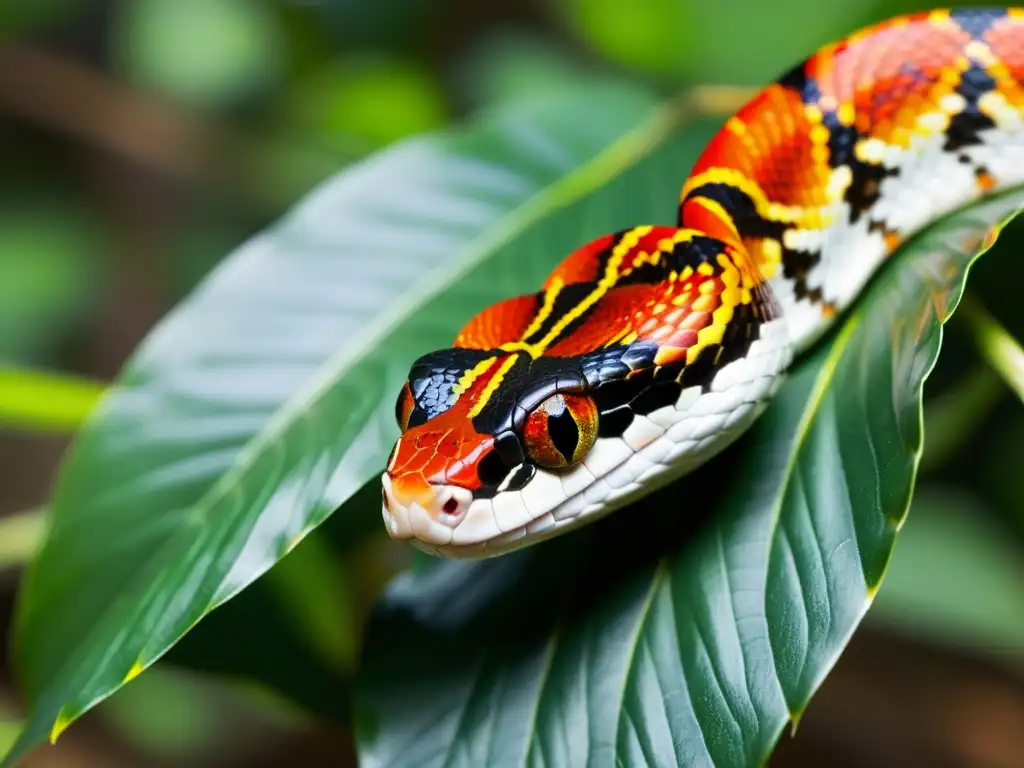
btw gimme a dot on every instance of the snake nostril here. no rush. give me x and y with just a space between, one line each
451 506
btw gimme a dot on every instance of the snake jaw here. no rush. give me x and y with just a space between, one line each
430 516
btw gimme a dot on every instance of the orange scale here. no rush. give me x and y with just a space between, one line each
649 326
705 303
1004 40
583 265
426 439
682 339
666 355
498 324
673 317
448 448
618 309
660 334
696 321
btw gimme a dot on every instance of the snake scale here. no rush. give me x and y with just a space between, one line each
649 350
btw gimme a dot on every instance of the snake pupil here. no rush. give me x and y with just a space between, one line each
564 433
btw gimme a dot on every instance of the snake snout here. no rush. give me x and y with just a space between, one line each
423 511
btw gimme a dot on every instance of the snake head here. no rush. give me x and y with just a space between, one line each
477 428
431 477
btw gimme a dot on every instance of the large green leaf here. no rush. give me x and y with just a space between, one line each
689 628
266 399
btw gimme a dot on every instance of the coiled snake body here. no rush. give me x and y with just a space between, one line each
649 350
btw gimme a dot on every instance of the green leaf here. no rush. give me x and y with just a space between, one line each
976 603
689 628
36 400
266 399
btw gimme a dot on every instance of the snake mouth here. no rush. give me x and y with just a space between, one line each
551 503
431 517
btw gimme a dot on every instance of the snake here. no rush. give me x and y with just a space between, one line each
649 350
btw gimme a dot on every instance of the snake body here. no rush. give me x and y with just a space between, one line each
649 350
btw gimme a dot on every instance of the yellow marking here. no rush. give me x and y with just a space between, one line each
939 18
813 113
609 279
682 298
467 379
711 335
137 669
492 386
59 726
545 310
716 209
730 276
771 250
607 282
736 126
705 269
723 315
734 296
808 217
819 134
846 113
708 286
703 303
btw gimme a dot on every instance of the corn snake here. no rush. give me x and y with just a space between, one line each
649 350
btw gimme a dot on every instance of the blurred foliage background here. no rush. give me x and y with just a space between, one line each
140 141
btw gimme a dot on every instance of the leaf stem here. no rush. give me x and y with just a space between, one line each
20 535
953 416
997 346
42 401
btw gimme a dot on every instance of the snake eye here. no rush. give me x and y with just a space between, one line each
404 406
560 431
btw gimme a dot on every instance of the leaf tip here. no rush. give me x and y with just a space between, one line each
294 541
60 725
794 721
137 668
